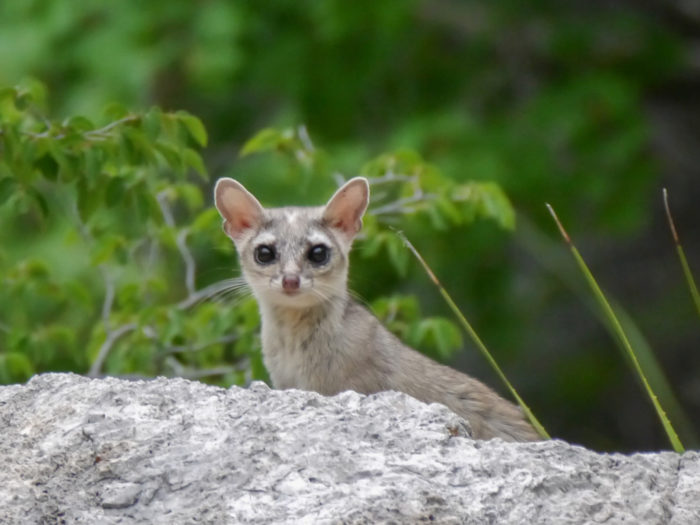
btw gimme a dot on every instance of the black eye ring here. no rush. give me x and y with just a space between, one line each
265 254
319 254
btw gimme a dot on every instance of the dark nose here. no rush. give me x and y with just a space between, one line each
290 283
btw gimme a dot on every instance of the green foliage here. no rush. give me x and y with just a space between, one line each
104 193
108 192
402 315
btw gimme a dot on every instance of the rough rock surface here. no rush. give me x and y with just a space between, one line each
75 450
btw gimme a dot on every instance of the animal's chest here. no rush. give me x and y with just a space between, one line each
300 357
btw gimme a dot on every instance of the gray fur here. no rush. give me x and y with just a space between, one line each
318 338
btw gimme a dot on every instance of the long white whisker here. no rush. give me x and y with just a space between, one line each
325 291
357 297
236 287
216 290
320 294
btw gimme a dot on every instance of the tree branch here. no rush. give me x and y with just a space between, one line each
196 348
392 177
112 337
181 242
402 205
99 133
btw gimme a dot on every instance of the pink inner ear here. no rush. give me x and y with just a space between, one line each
338 223
243 224
344 217
344 210
240 210
237 224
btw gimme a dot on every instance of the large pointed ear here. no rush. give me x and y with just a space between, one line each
240 210
346 207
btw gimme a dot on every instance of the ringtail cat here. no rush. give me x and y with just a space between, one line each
314 335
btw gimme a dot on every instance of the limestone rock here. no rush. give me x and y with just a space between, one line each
75 450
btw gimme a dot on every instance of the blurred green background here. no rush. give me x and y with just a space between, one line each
590 106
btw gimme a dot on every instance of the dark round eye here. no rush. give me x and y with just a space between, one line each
319 254
264 254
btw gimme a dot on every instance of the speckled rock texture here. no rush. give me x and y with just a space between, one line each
105 451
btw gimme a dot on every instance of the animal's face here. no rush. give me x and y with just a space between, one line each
293 257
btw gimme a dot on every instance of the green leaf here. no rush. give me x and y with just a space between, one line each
495 205
436 218
170 154
79 293
448 209
440 334
8 186
191 194
268 139
37 91
94 160
48 166
404 307
145 204
15 368
398 254
140 149
257 368
195 127
207 220
106 248
23 100
401 162
78 124
167 235
115 111
485 200
372 244
35 269
152 123
130 297
8 93
10 143
194 160
40 201
114 192
88 200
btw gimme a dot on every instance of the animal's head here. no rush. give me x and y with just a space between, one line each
293 256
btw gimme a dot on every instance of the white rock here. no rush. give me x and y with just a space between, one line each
106 451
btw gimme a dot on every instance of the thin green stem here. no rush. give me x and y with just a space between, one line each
475 337
617 327
681 255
